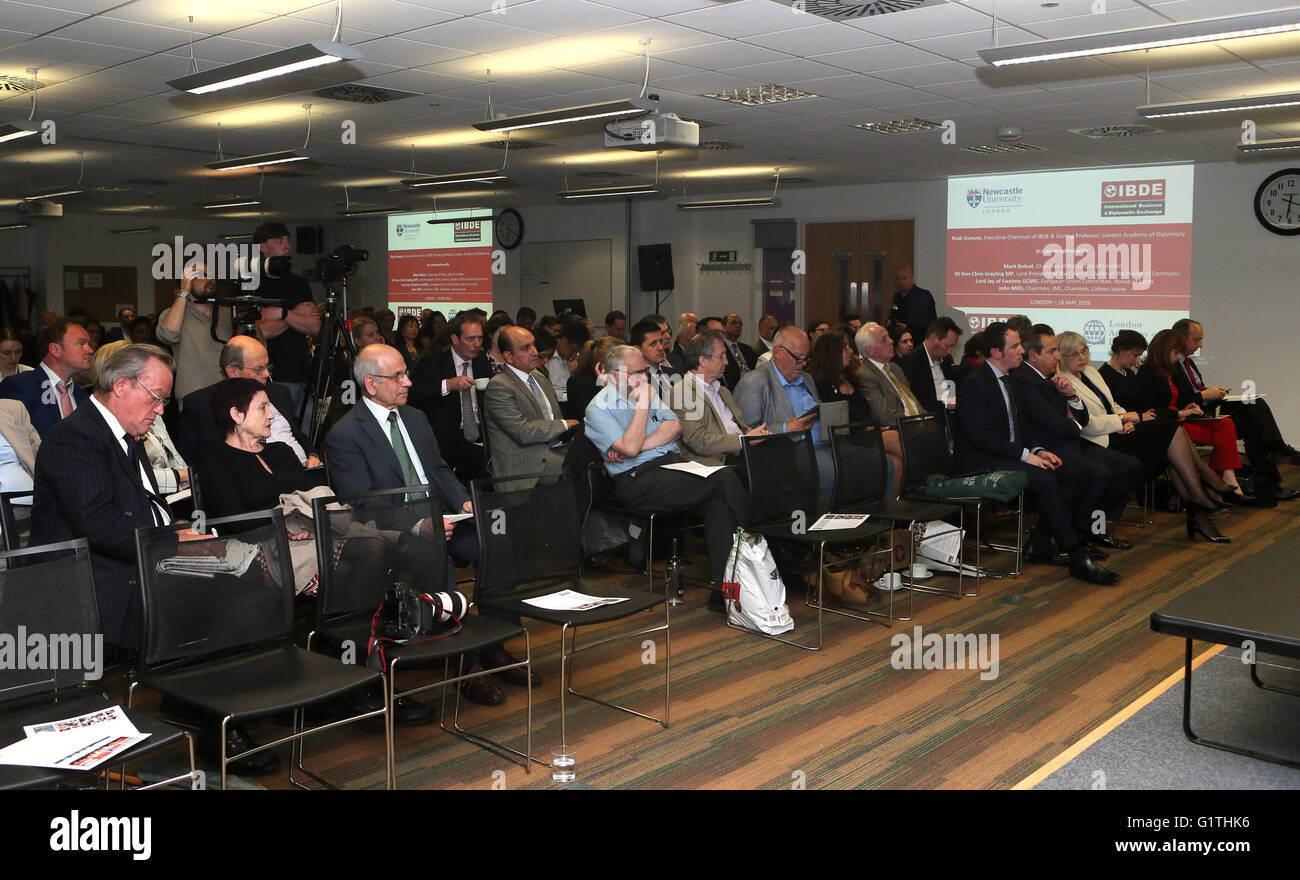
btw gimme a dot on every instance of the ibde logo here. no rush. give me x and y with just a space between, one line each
1094 332
974 197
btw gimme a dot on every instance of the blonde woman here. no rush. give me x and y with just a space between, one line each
1160 444
169 470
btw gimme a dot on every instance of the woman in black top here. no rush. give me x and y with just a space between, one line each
408 332
828 365
584 381
1120 372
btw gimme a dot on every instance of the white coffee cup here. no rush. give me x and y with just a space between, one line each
482 384
920 570
889 581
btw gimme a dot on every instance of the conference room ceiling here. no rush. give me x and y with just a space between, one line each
104 66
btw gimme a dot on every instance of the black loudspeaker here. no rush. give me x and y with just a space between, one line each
656 264
309 239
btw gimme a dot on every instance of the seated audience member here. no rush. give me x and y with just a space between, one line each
883 384
549 323
1254 421
853 322
526 317
903 343
732 372
649 340
929 369
569 340
124 318
1053 416
492 344
49 392
815 329
384 444
637 434
686 326
1159 444
365 332
616 325
971 359
830 365
19 444
142 331
711 423
1021 324
11 354
588 375
95 331
243 357
990 437
742 354
386 319
408 334
522 414
170 470
545 343
783 397
1164 388
767 326
1120 372
666 333
444 389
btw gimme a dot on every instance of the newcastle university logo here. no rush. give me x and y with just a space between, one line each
973 197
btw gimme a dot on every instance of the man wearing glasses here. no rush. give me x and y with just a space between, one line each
186 328
93 481
243 357
444 388
782 396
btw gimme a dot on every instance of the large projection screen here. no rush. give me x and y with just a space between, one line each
444 266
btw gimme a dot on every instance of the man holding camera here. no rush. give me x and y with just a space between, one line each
186 328
286 329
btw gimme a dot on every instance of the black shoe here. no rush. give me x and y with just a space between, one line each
237 742
407 713
502 657
1097 553
1287 494
1199 523
1112 543
716 602
1042 552
482 689
1082 567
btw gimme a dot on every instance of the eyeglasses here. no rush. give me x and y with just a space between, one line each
264 370
798 358
165 401
396 377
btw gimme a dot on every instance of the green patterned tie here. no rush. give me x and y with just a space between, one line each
403 456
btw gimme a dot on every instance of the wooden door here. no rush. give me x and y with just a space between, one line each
851 267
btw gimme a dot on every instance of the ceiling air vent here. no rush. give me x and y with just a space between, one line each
839 10
989 149
362 94
515 144
719 146
16 82
1115 131
755 96
603 174
148 181
898 126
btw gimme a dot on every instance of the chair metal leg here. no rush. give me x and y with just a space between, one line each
1262 685
567 662
820 605
524 759
1191 735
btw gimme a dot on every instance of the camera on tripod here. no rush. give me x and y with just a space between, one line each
341 263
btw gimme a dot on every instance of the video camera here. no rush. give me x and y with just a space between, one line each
341 263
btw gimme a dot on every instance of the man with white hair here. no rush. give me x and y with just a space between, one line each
637 435
186 328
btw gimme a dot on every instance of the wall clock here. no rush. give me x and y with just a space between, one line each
509 229
1277 202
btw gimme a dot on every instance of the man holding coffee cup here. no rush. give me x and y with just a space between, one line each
448 386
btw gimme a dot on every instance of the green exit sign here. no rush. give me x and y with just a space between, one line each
722 256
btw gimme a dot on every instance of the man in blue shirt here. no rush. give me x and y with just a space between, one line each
637 434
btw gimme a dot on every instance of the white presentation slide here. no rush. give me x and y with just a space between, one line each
1094 251
445 266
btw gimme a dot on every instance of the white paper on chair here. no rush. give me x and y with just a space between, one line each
694 467
456 517
838 521
571 600
1241 398
78 743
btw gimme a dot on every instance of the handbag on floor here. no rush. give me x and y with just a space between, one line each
753 589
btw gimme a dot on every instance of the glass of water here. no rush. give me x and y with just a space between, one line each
564 764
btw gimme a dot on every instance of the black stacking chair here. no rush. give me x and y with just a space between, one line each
530 545
222 643
860 475
33 696
15 519
925 453
784 504
354 576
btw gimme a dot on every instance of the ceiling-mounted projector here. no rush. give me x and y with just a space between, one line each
654 131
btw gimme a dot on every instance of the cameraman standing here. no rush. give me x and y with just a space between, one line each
286 329
186 329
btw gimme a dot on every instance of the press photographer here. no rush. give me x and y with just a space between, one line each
186 328
286 329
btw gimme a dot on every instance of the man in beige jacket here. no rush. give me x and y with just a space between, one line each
712 424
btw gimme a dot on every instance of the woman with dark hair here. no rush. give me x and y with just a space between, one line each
408 331
588 375
817 328
829 364
971 359
432 329
96 332
1120 372
903 342
1165 390
11 352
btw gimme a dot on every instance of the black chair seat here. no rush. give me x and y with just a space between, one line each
637 600
161 735
261 683
784 531
906 510
476 633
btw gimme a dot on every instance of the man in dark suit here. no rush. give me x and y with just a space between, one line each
732 327
648 337
912 306
444 390
48 391
1053 416
929 368
243 357
384 444
991 437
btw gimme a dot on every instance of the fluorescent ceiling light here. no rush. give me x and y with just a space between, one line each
236 236
472 218
1157 37
601 192
1268 146
230 203
15 225
371 212
1219 105
12 131
449 179
761 202
135 230
628 107
52 193
261 159
308 55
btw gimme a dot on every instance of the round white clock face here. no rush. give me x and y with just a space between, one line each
1277 202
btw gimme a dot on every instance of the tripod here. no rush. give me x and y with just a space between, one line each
334 350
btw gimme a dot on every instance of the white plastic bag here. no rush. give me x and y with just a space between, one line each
753 588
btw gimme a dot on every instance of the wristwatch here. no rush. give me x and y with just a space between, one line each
182 293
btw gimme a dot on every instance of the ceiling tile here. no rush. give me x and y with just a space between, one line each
57 49
965 47
286 32
31 19
559 16
930 74
724 54
784 71
742 19
818 39
929 21
1113 20
407 53
484 36
879 58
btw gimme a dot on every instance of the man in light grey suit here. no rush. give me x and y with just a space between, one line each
779 393
885 387
522 414
712 424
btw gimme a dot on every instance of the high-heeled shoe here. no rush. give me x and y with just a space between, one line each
1199 523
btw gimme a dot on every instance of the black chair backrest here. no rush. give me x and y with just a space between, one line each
196 494
196 610
353 563
526 534
15 519
782 473
859 455
49 616
924 439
